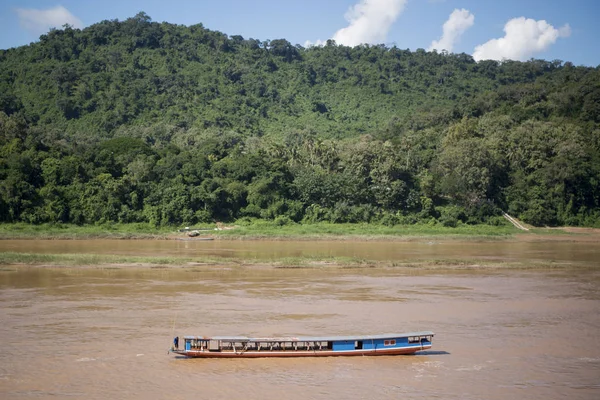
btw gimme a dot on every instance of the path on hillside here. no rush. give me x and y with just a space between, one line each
514 222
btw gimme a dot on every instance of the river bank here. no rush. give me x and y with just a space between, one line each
519 251
270 231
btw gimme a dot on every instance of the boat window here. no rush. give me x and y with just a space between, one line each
414 339
389 342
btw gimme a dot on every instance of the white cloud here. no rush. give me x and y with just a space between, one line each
40 21
458 22
523 38
319 42
370 21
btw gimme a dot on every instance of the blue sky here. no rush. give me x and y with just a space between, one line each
486 29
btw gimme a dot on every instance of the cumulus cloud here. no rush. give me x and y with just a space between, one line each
40 21
523 37
458 22
369 22
319 42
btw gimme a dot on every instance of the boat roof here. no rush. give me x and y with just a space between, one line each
312 338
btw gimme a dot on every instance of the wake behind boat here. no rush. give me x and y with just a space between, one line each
244 347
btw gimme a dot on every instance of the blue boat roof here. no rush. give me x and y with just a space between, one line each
313 338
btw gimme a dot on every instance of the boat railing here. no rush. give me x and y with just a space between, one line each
243 346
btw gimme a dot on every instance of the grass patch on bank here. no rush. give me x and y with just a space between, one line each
83 259
71 231
554 232
317 263
14 258
271 230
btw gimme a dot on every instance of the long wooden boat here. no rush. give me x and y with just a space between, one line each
244 347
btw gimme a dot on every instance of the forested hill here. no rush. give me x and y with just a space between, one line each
138 121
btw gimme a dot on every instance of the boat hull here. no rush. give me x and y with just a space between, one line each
300 353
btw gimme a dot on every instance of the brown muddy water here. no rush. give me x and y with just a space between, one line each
97 333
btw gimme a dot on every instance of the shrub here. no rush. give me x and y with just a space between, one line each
451 216
388 219
283 220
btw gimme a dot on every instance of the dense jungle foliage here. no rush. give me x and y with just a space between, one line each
138 121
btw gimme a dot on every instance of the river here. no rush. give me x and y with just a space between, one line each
99 333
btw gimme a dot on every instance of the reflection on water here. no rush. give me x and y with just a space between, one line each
104 333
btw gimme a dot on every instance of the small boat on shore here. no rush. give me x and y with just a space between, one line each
244 347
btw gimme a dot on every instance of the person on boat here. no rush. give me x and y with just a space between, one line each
176 343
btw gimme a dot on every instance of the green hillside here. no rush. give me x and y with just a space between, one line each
137 121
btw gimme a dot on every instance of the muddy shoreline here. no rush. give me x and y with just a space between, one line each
522 251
